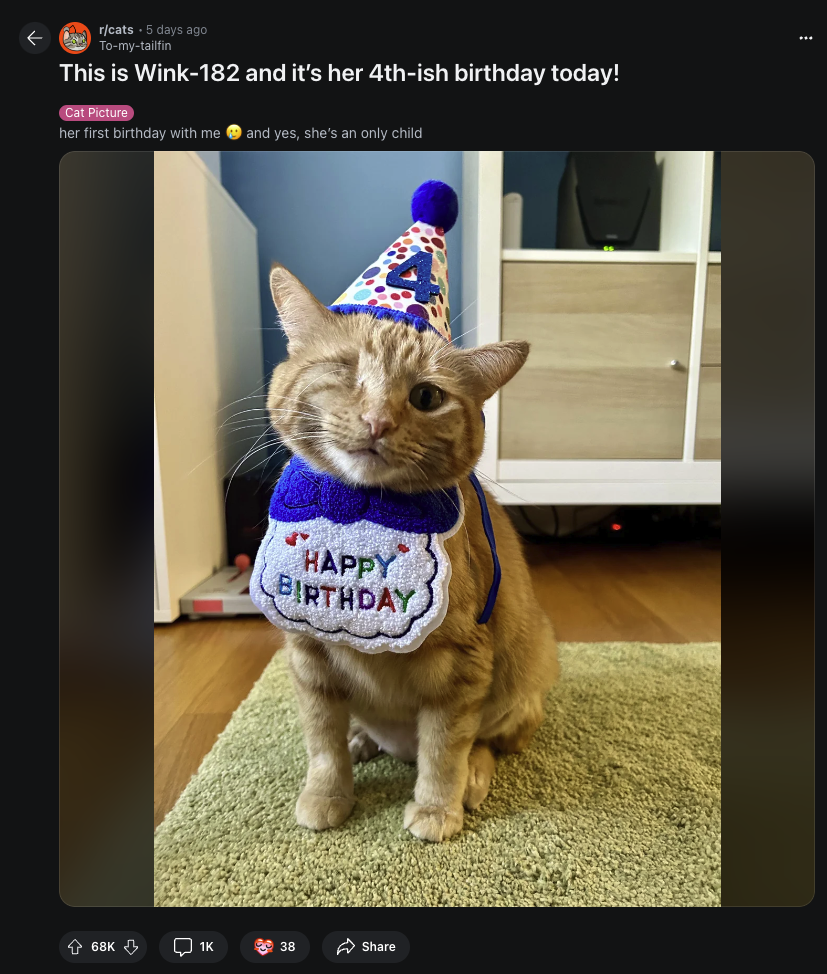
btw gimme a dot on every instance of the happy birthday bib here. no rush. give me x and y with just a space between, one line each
358 565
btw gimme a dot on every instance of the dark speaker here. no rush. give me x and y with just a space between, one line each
609 200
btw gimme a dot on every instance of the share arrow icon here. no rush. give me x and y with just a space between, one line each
130 946
347 946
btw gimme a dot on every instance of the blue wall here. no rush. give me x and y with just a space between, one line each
327 215
536 177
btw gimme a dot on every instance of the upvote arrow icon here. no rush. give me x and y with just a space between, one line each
130 946
74 946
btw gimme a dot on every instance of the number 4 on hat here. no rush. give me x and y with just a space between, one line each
422 285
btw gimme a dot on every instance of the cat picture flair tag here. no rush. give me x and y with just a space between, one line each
353 564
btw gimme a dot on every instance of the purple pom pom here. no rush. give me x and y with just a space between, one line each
436 204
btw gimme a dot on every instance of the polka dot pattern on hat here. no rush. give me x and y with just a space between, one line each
371 290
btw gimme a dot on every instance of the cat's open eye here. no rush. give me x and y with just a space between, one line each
426 397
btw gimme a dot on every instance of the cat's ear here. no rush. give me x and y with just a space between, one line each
487 368
302 316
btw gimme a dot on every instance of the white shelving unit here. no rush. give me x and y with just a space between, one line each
685 225
207 354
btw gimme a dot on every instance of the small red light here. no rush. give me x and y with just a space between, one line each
616 526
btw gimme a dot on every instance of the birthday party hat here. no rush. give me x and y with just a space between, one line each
408 282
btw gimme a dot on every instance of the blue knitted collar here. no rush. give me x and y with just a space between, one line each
304 493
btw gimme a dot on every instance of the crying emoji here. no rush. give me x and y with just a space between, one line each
234 132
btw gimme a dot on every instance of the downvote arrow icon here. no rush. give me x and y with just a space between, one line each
130 946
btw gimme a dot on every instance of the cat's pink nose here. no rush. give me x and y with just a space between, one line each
379 424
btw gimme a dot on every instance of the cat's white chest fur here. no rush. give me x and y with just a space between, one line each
378 589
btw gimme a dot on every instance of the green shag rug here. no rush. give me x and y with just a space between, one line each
616 802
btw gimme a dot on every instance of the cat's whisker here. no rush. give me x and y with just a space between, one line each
424 475
241 418
238 429
252 395
216 452
255 448
257 409
290 412
453 320
242 424
240 412
496 483
251 452
304 402
243 399
441 351
262 466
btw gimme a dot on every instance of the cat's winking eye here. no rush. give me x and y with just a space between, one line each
426 397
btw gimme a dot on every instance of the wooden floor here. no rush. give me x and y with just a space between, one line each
593 593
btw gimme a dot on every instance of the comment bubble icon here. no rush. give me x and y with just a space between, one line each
182 945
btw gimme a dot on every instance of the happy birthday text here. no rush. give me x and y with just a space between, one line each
344 597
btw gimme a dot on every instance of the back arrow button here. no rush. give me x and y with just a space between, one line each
35 38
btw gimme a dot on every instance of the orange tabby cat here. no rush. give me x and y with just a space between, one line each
375 402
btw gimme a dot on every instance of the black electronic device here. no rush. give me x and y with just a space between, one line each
609 201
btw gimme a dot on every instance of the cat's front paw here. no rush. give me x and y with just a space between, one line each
320 812
433 823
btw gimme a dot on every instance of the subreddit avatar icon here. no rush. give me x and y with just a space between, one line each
75 37
234 132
